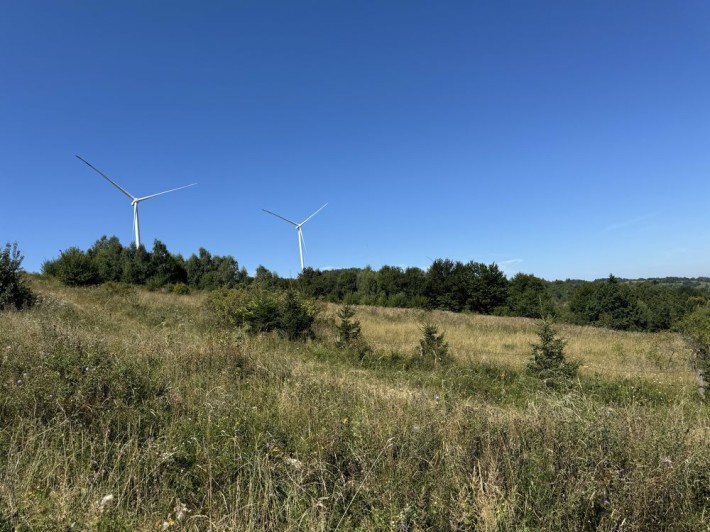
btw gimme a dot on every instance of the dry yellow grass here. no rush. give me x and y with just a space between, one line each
262 433
658 357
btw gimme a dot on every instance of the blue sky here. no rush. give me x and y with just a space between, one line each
564 139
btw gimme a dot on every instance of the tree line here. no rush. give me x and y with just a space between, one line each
109 261
446 285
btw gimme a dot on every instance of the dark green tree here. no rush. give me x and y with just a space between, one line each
74 268
528 297
366 282
488 288
443 284
14 291
137 267
107 257
197 266
265 278
166 268
296 320
608 303
345 285
696 331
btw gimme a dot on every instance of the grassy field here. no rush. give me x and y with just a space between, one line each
123 409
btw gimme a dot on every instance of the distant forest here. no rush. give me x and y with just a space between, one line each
632 305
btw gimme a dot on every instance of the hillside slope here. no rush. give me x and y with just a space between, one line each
126 409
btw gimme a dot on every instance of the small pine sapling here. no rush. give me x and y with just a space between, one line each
348 329
548 360
432 347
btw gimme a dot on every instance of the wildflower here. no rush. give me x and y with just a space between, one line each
181 511
296 464
105 500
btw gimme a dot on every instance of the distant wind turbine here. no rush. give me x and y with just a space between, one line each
134 200
301 242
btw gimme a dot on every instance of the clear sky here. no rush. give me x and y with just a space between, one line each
564 139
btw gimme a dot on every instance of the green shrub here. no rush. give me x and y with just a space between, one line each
73 268
14 292
297 317
180 289
548 357
696 331
259 310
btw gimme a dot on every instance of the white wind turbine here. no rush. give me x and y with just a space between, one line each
134 200
301 242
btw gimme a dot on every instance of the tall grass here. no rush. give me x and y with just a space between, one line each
135 411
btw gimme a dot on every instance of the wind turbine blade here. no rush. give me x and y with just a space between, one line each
312 215
279 216
119 187
165 192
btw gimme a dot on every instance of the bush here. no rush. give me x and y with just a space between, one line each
73 268
14 292
180 289
548 357
696 331
260 311
297 317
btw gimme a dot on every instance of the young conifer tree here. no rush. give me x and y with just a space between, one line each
548 360
348 329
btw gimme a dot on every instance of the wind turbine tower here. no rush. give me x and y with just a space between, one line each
301 242
134 200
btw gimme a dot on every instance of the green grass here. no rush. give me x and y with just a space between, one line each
138 395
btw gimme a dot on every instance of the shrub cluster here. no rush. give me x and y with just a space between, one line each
109 261
696 330
259 310
14 292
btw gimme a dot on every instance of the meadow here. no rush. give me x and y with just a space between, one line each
125 409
